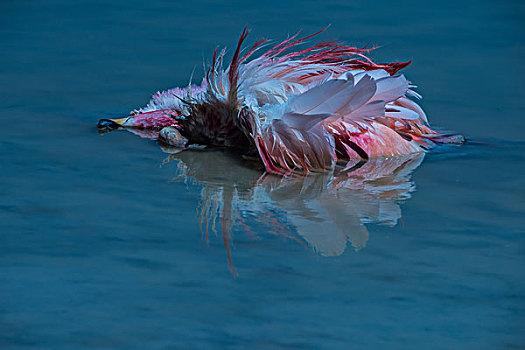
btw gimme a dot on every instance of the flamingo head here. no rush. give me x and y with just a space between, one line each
163 110
141 123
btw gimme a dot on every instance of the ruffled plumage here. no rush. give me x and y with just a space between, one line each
300 110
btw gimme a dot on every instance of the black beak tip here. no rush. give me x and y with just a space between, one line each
107 125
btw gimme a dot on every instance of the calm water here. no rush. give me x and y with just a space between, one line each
103 241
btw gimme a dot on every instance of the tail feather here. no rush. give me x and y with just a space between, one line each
407 103
391 88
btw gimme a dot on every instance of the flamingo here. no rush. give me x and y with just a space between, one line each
299 110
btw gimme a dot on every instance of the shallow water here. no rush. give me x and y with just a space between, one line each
103 241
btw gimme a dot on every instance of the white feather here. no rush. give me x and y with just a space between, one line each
390 88
401 113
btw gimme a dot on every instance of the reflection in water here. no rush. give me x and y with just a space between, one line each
322 210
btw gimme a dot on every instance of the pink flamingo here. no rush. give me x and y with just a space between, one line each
298 110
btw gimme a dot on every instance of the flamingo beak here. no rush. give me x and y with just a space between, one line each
120 121
108 125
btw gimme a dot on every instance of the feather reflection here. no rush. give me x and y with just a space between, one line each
321 211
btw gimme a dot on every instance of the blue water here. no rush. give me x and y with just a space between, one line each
102 239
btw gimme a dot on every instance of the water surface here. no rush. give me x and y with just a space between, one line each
103 242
